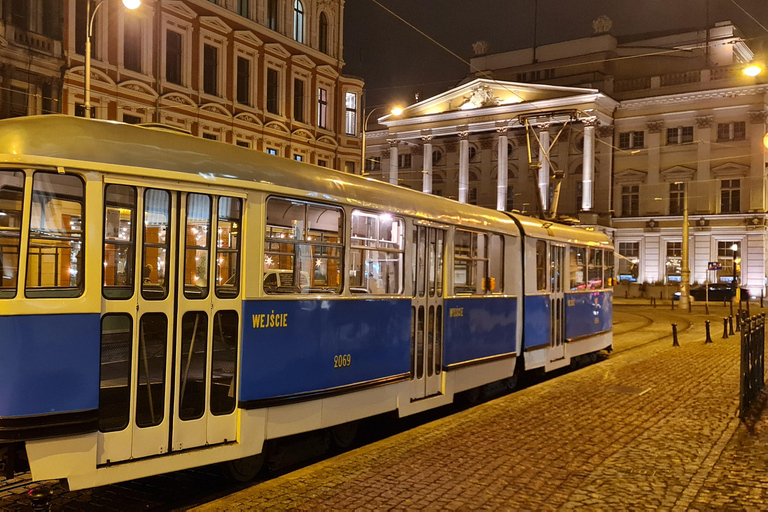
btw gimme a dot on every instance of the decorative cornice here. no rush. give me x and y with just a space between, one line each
693 97
654 126
704 121
757 116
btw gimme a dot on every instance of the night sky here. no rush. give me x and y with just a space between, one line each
396 62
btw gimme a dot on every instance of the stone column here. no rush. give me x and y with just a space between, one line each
463 166
544 167
588 165
503 170
427 172
654 150
393 161
755 186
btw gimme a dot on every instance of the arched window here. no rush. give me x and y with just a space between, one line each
323 33
298 21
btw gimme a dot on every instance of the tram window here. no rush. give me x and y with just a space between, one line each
224 362
197 249
376 254
578 268
495 281
608 272
595 269
541 266
470 262
157 212
115 372
11 203
439 270
228 247
150 381
303 239
119 241
55 263
194 347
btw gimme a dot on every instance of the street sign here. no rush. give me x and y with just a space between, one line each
714 265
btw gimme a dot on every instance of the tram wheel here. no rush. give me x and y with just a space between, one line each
245 469
344 435
512 381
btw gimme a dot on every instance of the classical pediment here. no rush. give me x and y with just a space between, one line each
277 49
179 8
327 140
678 173
181 99
279 127
215 108
303 133
96 75
137 87
247 117
729 170
215 23
303 60
249 37
327 70
629 176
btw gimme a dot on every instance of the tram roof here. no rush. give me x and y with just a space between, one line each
60 140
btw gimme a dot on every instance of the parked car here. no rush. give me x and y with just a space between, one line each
717 292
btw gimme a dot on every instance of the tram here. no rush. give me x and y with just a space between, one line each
170 302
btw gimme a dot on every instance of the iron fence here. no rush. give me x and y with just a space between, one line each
752 359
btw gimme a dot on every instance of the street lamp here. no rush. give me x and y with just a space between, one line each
91 16
753 70
396 111
734 248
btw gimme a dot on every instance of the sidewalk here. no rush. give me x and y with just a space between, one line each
651 427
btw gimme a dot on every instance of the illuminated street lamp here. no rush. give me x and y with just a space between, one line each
395 111
753 70
734 248
91 16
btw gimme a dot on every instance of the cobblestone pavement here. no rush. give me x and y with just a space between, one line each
653 426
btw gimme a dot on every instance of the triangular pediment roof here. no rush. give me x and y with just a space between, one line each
249 37
327 71
215 23
179 8
303 60
481 97
277 49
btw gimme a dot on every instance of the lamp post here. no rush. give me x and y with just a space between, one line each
685 272
91 16
734 248
395 111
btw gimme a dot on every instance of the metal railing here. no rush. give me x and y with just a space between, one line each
752 360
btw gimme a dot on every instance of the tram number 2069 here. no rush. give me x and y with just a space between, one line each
342 361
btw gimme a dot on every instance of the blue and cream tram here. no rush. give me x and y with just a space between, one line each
170 302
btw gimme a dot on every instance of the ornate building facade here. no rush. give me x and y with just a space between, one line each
631 137
31 57
263 74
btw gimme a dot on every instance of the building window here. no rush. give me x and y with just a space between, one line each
298 21
322 163
373 163
730 192
19 103
437 156
731 131
210 69
676 198
298 100
349 167
272 151
128 118
242 8
173 57
630 200
472 154
630 140
680 135
404 161
322 108
210 136
298 158
79 110
628 265
132 43
272 14
243 81
243 143
322 37
351 113
273 105
20 13
728 257
673 265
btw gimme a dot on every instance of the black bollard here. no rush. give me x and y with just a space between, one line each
674 336
40 498
730 325
709 338
673 303
738 323
725 328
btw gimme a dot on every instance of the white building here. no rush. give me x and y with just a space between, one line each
635 126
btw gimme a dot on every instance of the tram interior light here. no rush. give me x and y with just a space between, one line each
131 4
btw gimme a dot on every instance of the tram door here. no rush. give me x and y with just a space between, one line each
170 321
427 312
557 302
